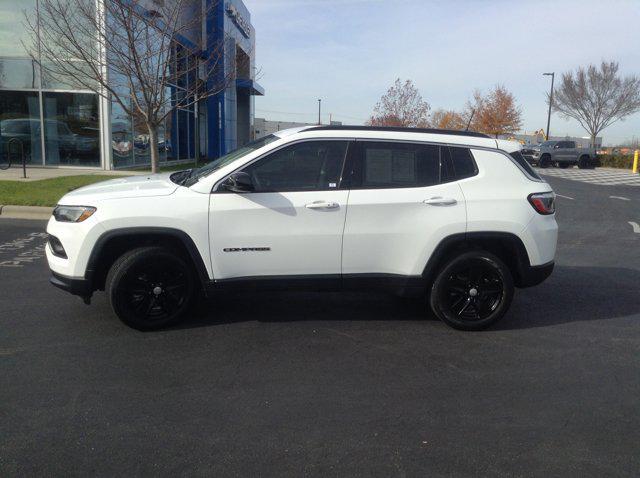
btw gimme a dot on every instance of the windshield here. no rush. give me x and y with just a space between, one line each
228 158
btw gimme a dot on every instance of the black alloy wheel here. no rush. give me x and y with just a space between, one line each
545 161
150 288
472 291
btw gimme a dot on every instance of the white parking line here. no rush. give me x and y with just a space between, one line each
566 197
620 197
635 226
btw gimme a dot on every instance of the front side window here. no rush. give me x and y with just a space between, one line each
382 165
306 166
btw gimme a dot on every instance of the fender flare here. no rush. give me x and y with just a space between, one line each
183 237
519 266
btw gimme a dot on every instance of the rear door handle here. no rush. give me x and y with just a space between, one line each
440 201
322 205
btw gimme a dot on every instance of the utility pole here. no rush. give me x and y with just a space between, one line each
552 75
319 107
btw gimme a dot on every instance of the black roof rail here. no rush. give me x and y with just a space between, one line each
453 132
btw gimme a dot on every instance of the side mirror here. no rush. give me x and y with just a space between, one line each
239 182
557 146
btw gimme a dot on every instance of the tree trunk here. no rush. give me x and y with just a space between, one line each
593 141
153 147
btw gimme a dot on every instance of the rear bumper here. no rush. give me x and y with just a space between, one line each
73 285
534 275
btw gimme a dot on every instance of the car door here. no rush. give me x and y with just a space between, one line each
291 224
401 205
562 153
572 151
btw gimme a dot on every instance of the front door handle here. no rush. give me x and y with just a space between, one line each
440 201
322 205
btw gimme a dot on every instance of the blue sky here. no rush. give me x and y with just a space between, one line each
348 52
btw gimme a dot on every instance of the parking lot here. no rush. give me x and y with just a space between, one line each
335 384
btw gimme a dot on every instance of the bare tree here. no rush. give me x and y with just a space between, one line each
597 97
495 113
142 54
402 105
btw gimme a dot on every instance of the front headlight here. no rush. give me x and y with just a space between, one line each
73 213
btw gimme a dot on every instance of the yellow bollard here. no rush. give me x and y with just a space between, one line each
635 162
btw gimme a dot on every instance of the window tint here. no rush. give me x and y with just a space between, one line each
383 165
524 164
562 145
307 166
571 144
462 162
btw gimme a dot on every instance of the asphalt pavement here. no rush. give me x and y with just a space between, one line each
302 384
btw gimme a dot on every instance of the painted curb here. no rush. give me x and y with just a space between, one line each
26 212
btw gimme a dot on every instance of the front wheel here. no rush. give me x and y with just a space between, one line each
545 161
5 161
472 291
150 288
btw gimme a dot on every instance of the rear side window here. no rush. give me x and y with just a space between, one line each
382 165
523 163
457 163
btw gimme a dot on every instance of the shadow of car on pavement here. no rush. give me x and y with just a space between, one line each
571 294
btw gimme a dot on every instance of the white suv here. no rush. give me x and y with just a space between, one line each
456 217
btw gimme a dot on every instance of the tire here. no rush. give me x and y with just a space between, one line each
545 161
5 161
150 288
472 291
585 163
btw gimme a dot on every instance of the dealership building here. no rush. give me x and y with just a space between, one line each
62 125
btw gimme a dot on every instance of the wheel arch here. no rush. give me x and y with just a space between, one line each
507 246
112 244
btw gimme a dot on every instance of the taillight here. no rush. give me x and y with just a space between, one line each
543 203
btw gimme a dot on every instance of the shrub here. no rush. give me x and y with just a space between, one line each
616 161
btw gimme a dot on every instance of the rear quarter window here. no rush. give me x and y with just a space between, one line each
524 164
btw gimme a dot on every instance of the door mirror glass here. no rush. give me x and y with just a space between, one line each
238 182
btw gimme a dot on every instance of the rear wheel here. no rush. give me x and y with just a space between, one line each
472 291
150 288
545 161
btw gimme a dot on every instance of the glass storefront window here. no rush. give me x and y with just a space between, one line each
121 137
20 124
170 137
19 73
71 129
13 31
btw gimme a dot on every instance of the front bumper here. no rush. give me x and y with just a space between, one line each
73 285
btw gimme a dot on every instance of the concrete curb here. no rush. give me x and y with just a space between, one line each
26 212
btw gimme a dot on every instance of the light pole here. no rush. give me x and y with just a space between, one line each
319 106
552 75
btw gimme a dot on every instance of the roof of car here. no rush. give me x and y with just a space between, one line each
451 132
453 137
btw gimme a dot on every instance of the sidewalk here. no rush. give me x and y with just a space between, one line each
36 174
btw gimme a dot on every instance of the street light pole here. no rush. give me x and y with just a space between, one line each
552 75
319 105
